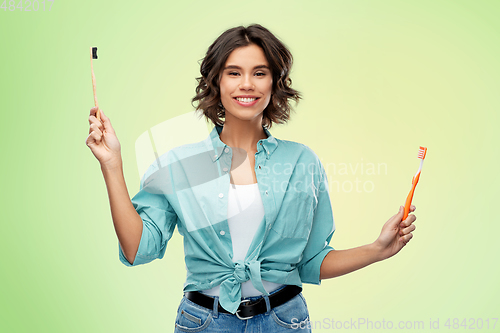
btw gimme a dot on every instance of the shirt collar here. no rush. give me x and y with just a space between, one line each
269 144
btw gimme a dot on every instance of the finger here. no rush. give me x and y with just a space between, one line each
409 220
107 123
396 219
89 141
93 139
406 238
407 230
412 208
94 120
93 111
97 138
93 127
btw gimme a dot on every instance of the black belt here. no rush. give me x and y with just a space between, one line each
247 308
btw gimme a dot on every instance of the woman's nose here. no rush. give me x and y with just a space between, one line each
246 82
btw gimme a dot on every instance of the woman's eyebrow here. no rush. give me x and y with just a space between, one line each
238 67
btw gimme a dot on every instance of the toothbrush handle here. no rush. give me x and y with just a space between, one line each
410 195
98 114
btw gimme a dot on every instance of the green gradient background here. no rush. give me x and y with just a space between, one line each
379 79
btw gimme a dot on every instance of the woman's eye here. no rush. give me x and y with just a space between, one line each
260 74
233 73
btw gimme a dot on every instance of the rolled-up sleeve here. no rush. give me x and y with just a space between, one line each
158 219
322 231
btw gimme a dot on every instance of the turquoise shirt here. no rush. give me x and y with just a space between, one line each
188 187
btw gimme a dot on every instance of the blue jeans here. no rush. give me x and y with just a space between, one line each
291 316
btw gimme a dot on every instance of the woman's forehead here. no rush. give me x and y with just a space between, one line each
247 56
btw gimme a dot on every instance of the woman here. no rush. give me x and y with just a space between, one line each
254 211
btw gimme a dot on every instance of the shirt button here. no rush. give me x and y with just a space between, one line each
224 169
260 167
221 195
222 232
266 193
226 150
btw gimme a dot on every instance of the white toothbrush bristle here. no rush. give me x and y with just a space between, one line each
421 152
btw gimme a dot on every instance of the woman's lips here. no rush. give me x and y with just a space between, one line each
246 101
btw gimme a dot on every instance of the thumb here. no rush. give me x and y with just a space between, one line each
106 122
396 219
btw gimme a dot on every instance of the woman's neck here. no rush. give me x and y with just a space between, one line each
243 134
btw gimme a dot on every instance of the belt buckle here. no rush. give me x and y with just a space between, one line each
237 315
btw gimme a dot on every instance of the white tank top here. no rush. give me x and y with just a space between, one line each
245 213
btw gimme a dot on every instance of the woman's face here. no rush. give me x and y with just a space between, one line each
246 83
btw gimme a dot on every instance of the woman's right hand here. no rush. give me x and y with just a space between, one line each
102 140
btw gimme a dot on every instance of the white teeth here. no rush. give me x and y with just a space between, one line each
246 100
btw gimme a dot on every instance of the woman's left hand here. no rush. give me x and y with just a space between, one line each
395 234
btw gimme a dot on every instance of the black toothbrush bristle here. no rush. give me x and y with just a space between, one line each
94 53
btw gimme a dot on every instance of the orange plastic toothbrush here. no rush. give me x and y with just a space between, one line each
421 154
93 55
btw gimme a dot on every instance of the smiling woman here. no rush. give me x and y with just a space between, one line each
246 84
262 56
253 231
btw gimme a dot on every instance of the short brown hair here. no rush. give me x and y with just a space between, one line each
280 63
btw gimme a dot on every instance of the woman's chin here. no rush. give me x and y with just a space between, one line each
245 115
